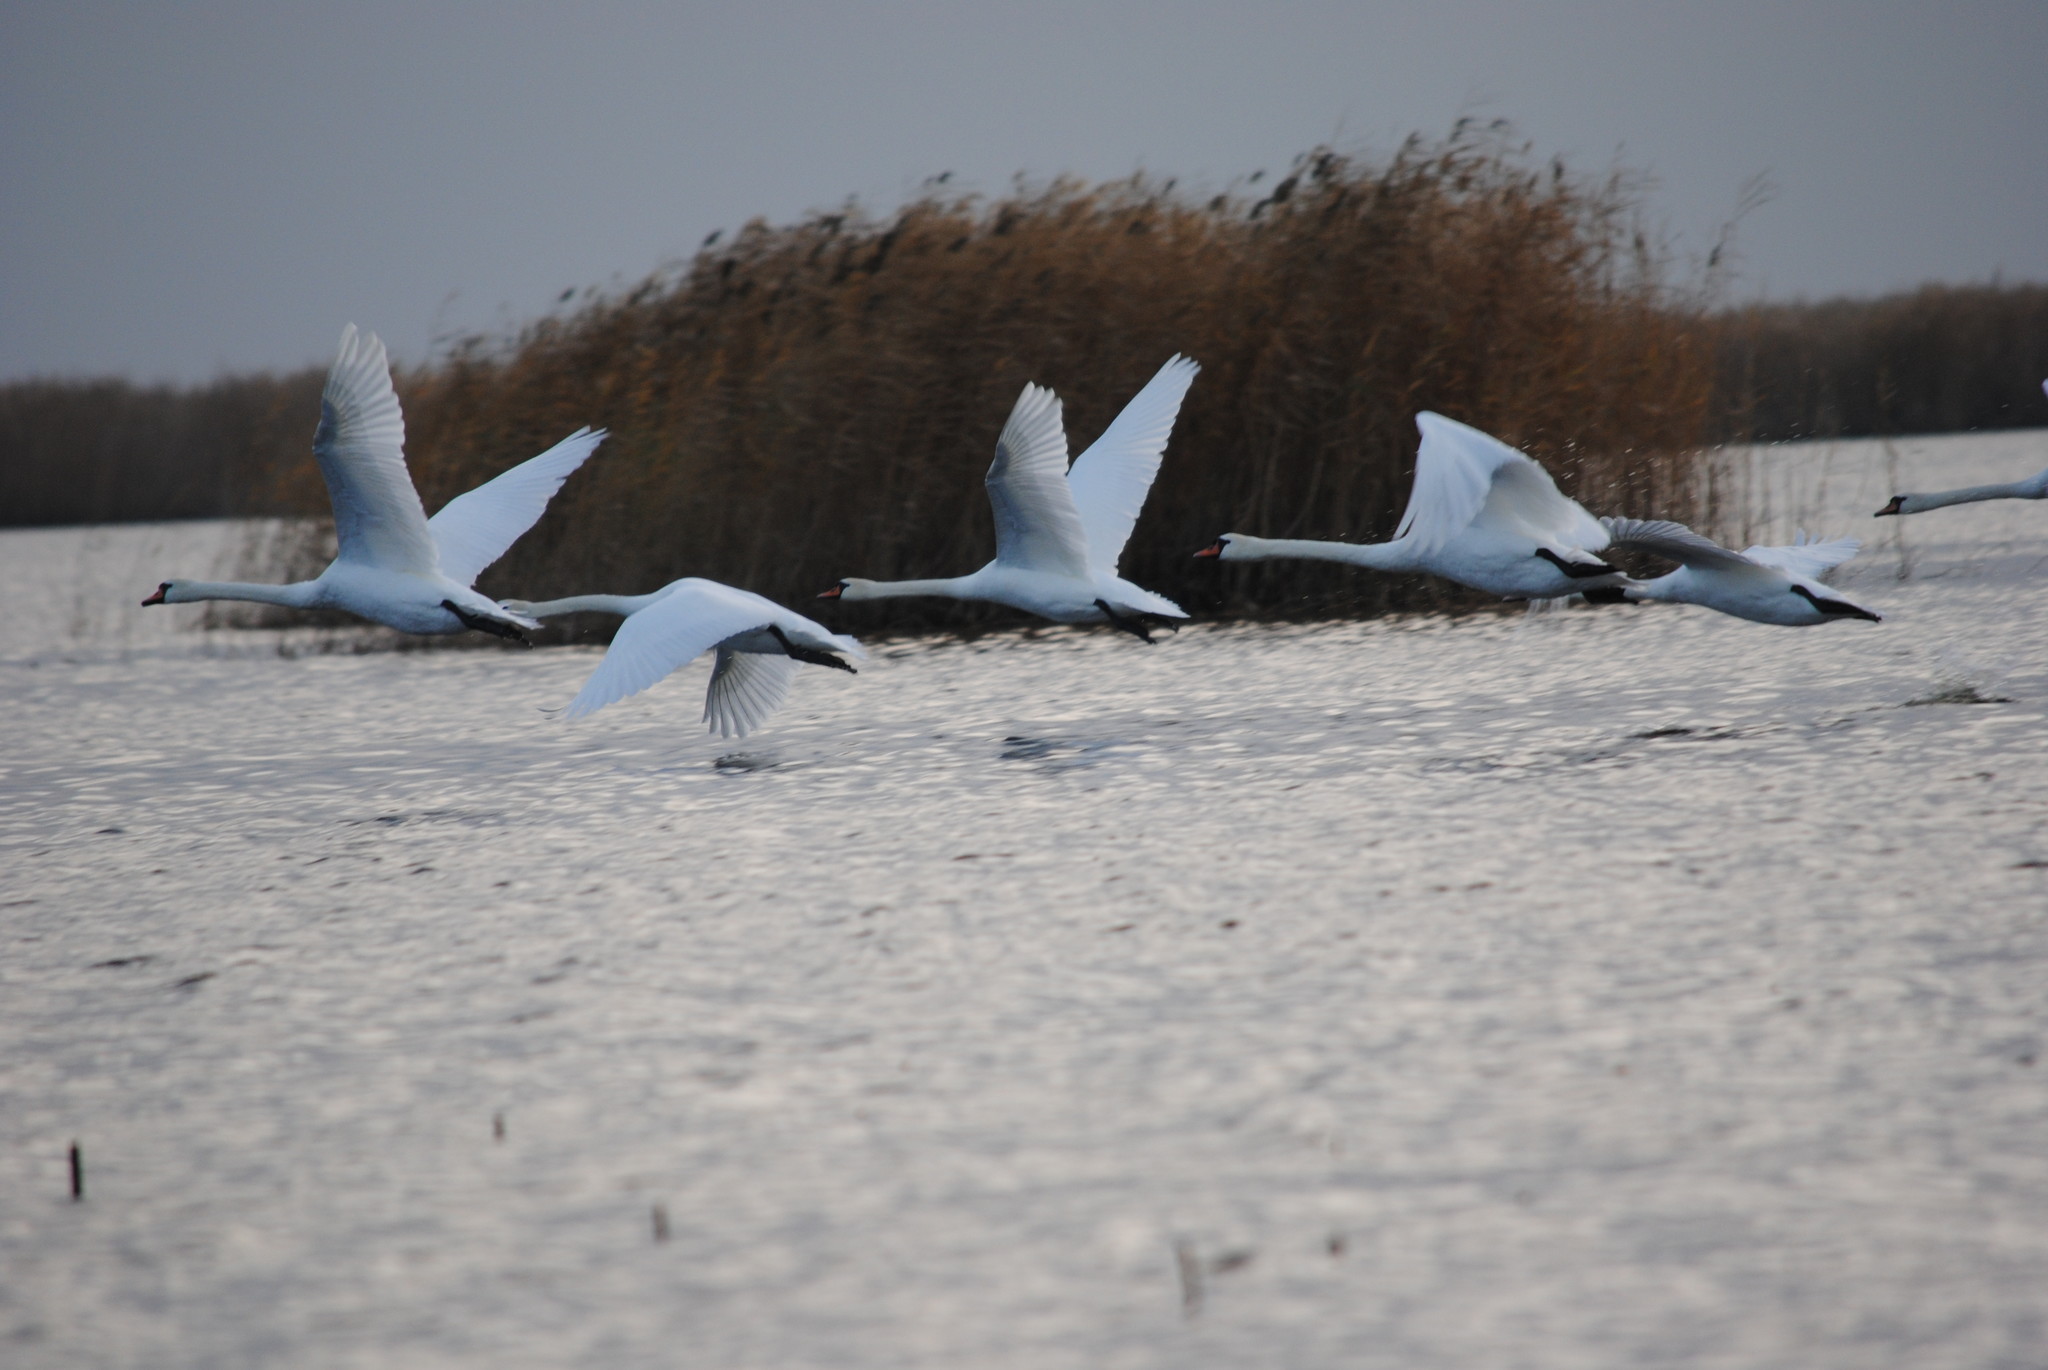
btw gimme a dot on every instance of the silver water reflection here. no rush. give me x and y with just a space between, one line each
1599 987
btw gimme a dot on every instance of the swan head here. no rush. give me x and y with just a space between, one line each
166 593
851 588
1232 547
517 606
1897 506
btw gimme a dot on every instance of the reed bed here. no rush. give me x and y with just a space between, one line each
821 399
803 402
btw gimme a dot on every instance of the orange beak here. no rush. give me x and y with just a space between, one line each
1214 549
833 593
157 598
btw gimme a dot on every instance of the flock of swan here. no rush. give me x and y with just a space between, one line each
1480 513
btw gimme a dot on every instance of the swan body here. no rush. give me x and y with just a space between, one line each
393 564
1481 514
760 647
2034 487
1778 585
1060 532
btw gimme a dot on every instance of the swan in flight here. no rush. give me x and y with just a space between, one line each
1481 514
1763 584
1061 532
760 647
394 565
2034 487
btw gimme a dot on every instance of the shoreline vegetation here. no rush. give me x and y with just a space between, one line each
803 402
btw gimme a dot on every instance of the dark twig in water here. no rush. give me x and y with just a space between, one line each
660 1223
497 1127
77 1173
1190 1278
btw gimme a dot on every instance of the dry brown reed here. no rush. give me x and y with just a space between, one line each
820 400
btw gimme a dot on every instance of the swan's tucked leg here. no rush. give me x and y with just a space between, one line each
1577 570
1835 608
809 656
1607 594
495 627
1134 624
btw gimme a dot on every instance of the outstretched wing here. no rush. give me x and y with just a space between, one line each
1111 479
1460 472
1805 558
1037 526
1675 542
746 687
473 530
682 625
360 445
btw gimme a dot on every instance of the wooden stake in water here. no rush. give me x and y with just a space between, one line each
1190 1278
77 1173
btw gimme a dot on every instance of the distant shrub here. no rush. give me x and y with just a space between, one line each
1941 359
109 452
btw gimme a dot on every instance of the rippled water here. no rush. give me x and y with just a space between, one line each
1627 987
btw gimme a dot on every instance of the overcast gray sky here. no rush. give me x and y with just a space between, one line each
195 188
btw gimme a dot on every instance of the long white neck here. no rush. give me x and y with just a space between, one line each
2037 488
1380 556
303 594
586 604
955 587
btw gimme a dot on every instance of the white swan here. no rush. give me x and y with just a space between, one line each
1481 514
1763 584
395 565
760 647
2034 487
1060 533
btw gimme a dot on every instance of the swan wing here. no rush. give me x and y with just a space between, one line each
1675 542
360 445
746 687
1464 476
1525 495
1111 479
1037 526
1805 558
473 530
691 619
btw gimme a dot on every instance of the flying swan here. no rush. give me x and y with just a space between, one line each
1763 584
760 645
1480 513
1060 532
395 565
2034 487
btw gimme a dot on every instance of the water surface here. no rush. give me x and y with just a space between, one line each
1599 987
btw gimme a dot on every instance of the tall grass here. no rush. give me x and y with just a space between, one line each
821 399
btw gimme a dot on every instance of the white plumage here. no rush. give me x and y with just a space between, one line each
760 647
1479 513
1060 533
392 564
1763 584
